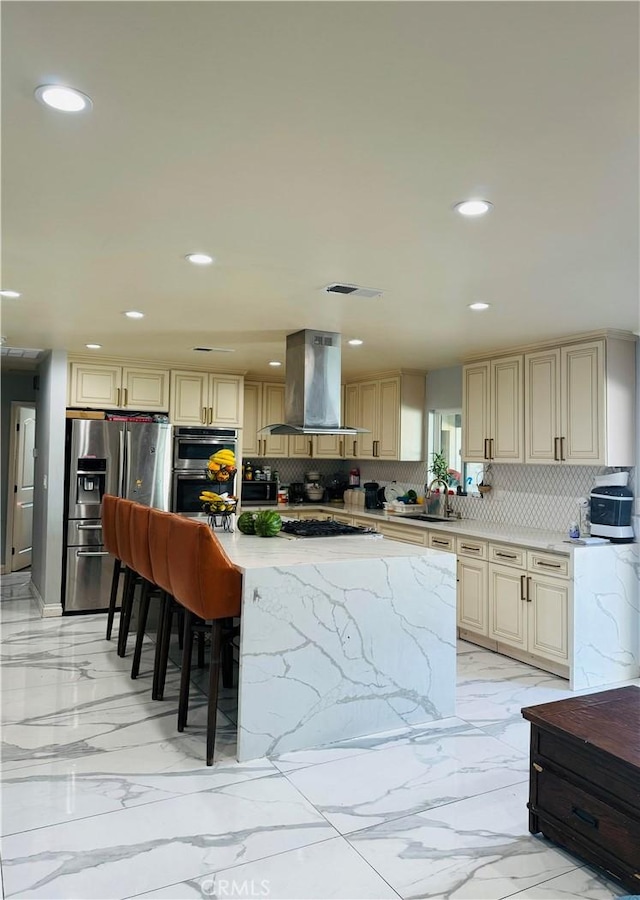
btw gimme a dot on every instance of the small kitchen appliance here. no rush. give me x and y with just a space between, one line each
296 492
611 507
372 496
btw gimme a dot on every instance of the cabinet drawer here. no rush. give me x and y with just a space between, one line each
439 541
549 563
472 548
407 535
508 556
583 814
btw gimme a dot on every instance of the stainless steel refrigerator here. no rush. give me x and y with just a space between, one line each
126 459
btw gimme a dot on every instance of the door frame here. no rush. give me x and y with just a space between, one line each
11 477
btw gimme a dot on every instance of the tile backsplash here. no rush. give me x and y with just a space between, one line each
532 496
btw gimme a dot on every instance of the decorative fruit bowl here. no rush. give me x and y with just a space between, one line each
220 474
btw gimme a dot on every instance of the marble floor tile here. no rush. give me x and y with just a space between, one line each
401 780
578 884
67 789
135 850
515 732
331 870
474 849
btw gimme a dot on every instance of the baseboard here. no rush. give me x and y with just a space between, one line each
47 611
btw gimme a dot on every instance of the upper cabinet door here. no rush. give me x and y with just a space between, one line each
95 386
273 414
329 446
301 446
475 411
145 389
350 418
251 419
388 444
582 403
506 411
189 398
226 400
368 402
542 406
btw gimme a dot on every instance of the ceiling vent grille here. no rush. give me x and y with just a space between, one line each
353 290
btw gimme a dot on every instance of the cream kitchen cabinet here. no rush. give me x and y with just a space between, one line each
528 608
492 411
202 398
472 603
391 409
263 405
579 403
317 446
118 387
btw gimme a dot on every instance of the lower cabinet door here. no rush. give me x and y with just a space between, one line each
472 596
508 607
548 617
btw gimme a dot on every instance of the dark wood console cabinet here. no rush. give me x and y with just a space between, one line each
584 789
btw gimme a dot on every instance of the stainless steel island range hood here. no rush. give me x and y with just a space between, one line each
312 386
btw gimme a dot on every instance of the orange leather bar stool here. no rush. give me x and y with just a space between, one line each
209 586
109 536
123 534
139 525
159 524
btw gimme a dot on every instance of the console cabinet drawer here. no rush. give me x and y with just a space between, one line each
506 555
549 563
472 548
439 541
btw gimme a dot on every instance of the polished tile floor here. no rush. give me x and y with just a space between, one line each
102 798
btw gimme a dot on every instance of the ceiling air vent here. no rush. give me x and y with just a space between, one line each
353 290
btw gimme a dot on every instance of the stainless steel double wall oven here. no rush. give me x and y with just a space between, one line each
192 448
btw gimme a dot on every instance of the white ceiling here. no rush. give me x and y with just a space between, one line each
304 143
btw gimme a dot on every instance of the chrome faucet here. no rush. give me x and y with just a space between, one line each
447 510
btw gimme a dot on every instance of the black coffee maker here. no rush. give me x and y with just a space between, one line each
371 495
296 492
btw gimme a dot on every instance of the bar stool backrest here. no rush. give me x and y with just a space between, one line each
203 578
159 523
109 503
139 530
123 530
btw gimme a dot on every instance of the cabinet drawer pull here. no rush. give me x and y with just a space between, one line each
469 547
584 816
126 397
117 396
562 456
442 543
486 453
376 448
341 446
523 579
310 447
548 565
556 455
210 415
203 415
536 766
354 447
506 555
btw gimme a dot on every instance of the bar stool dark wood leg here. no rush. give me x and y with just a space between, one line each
145 600
127 609
187 649
214 678
113 599
165 644
164 602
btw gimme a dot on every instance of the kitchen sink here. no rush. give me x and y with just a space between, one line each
434 519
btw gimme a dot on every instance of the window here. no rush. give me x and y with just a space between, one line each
445 436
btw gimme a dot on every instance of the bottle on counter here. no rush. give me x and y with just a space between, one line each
257 474
276 475
248 471
354 478
267 473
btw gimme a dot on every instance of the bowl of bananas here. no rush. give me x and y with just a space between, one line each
221 466
219 507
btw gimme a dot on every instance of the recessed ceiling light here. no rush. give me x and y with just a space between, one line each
274 362
12 294
93 346
479 305
63 98
134 314
199 259
473 207
355 342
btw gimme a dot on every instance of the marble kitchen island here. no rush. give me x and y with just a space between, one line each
340 637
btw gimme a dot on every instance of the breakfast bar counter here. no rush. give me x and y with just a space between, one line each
340 637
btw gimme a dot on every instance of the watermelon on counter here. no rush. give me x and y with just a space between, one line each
267 523
246 523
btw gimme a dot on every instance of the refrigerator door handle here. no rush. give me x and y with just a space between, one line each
121 464
127 463
92 553
89 527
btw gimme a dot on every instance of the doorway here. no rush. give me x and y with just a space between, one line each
20 487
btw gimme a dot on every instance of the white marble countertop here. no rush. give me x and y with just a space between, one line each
250 552
535 538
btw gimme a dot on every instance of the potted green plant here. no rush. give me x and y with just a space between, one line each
440 467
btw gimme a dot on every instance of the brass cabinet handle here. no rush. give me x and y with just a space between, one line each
523 596
468 547
117 396
562 456
210 415
506 555
442 543
492 451
203 416
486 452
556 455
376 450
528 588
548 565
310 446
126 397
341 448
355 443
538 768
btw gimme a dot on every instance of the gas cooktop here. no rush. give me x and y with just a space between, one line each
322 528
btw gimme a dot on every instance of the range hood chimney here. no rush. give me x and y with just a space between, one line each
312 386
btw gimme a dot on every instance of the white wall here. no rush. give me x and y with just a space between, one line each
444 388
15 386
46 569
